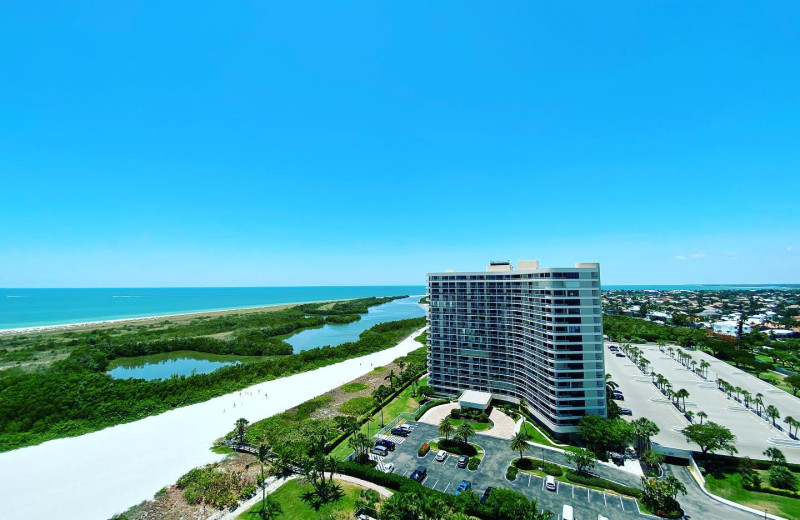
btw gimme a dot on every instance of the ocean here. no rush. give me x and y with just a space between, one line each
39 307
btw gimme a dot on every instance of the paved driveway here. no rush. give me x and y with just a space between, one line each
503 424
445 476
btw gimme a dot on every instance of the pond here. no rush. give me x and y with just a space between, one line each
163 366
333 335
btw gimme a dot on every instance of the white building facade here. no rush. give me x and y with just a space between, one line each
534 333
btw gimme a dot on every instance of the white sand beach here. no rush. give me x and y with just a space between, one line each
99 474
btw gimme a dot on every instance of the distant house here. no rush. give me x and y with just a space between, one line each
707 313
729 328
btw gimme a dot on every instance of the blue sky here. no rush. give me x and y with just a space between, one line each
305 143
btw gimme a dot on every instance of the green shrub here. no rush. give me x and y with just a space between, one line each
473 463
586 480
511 473
354 387
357 406
531 464
782 478
458 448
424 449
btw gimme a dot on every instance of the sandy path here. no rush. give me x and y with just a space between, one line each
99 474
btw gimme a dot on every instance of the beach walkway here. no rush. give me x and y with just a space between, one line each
99 474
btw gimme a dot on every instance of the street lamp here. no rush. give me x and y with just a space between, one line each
542 458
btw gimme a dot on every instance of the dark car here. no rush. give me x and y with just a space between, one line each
617 458
465 485
625 411
419 474
486 494
617 396
463 461
620 354
402 432
389 445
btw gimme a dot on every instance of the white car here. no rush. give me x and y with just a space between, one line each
601 517
441 456
550 483
388 468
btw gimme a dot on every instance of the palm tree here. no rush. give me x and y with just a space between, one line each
775 455
790 421
682 394
446 427
610 384
759 402
702 415
746 396
519 442
738 390
241 428
694 366
690 414
390 377
704 367
523 404
671 351
378 396
464 432
263 458
773 413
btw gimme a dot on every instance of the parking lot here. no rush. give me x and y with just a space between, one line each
445 476
754 434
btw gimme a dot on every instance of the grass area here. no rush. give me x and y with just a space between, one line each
478 426
378 370
535 435
729 485
352 388
402 403
357 406
423 338
288 496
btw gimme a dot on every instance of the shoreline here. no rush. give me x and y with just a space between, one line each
183 316
105 472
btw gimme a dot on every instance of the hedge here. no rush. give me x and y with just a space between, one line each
473 463
511 473
587 480
548 467
389 480
424 449
774 491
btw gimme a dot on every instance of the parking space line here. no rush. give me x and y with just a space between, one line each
434 486
588 495
621 503
605 499
529 479
573 491
447 487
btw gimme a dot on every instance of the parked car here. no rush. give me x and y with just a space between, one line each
379 450
464 485
612 347
386 443
625 411
402 432
620 354
601 517
463 461
388 468
617 458
631 453
419 474
441 456
550 483
408 427
617 396
486 494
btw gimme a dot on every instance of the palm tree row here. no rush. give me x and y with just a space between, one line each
770 410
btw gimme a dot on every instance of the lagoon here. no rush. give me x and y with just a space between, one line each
167 364
334 335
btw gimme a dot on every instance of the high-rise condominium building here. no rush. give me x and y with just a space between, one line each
534 333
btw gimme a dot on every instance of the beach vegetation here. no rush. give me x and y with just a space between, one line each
75 395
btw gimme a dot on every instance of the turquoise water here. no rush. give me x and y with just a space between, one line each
164 369
37 307
333 335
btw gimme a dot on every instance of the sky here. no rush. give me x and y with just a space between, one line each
360 143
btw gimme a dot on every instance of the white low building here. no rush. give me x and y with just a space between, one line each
730 328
